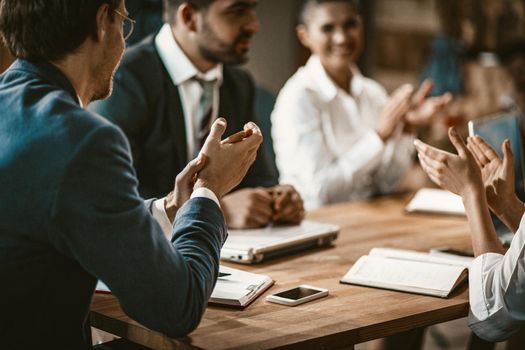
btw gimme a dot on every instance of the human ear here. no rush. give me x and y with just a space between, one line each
102 22
187 16
303 35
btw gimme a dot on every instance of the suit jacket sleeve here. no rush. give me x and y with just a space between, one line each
102 223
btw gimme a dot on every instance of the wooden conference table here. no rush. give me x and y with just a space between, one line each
348 316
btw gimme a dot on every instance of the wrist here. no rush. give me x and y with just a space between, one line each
170 206
383 135
511 211
472 195
200 183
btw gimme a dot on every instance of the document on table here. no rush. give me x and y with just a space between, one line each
432 200
408 271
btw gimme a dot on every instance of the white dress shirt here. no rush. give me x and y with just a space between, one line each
326 142
497 291
182 73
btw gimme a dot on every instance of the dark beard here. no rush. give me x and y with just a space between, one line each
105 75
221 52
229 57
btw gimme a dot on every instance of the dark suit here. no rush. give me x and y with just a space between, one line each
70 214
146 105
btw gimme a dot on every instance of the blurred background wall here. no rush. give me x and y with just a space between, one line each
406 40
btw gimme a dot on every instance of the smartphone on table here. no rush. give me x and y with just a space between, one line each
298 295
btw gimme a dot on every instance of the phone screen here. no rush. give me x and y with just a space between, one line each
297 293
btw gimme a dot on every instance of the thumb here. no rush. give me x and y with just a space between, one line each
423 91
217 129
458 142
508 156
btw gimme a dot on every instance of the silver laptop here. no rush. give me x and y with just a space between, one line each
254 246
495 129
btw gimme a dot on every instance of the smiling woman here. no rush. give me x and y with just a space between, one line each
337 135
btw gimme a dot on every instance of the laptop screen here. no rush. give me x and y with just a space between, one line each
495 129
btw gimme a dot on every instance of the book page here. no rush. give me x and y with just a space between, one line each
404 275
405 254
432 200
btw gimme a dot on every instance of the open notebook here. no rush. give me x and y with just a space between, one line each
234 287
432 200
255 245
409 271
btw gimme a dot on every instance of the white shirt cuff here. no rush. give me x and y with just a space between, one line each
159 213
205 193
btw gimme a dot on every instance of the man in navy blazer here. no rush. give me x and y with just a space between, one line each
160 86
70 212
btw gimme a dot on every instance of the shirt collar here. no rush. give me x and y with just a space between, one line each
325 86
178 65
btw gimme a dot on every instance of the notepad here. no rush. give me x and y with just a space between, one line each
431 200
408 271
239 288
235 288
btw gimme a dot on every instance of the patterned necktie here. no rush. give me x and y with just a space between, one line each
204 113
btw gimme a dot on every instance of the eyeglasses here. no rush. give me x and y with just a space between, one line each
127 25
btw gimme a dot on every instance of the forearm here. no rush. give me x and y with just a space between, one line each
483 234
199 244
512 214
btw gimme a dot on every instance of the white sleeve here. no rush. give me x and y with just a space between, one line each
159 211
497 291
306 161
206 193
396 161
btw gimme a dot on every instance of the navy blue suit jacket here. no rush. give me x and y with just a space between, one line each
147 106
70 214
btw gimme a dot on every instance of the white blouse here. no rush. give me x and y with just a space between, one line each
325 139
497 291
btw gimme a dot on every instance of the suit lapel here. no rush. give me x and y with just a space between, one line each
177 126
228 108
